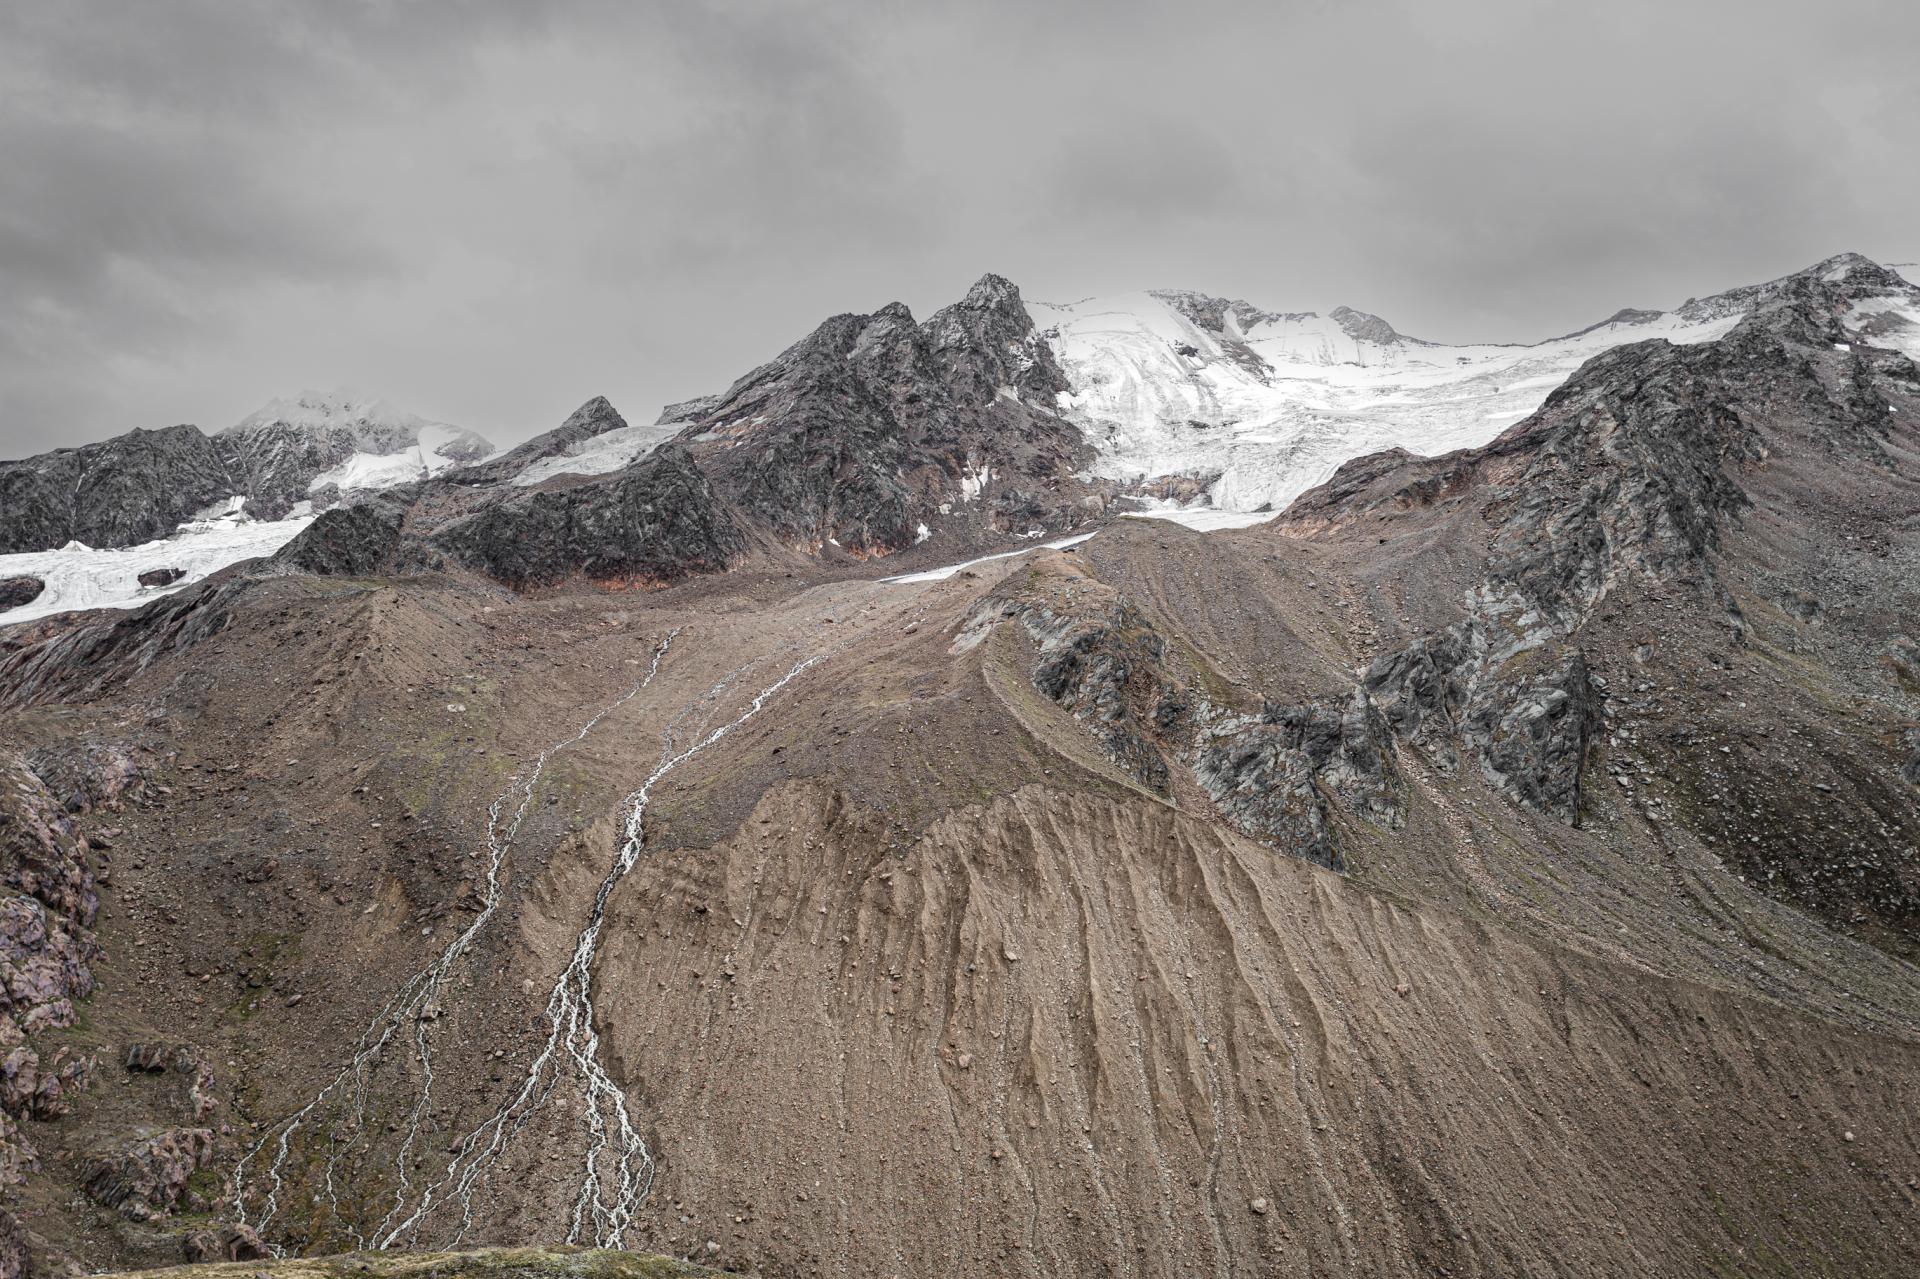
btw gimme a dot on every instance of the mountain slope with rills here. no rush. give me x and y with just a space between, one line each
1498 862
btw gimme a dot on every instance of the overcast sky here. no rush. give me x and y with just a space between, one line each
488 216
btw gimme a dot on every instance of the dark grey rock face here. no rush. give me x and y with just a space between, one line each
119 492
692 410
347 541
274 463
1631 470
1748 494
862 429
987 341
1272 774
16 591
80 661
852 437
1108 670
655 522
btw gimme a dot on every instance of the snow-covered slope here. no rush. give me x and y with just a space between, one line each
1261 406
1268 405
79 576
1888 319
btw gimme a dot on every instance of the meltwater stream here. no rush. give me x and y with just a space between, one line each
617 1168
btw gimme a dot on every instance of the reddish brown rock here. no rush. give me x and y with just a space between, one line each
146 1180
224 1243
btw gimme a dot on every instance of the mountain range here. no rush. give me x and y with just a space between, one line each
1474 829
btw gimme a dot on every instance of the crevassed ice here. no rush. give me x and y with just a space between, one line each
1273 404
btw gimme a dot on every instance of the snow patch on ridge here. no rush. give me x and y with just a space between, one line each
600 454
947 571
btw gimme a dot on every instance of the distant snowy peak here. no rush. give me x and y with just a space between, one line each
319 410
321 441
373 425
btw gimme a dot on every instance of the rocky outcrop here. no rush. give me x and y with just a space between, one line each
14 1257
986 342
1695 483
48 902
159 1059
18 1158
1528 716
161 576
47 905
18 591
92 776
76 661
347 541
652 523
1271 773
223 1242
148 1179
1107 669
1274 774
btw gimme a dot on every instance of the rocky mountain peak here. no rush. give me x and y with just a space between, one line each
992 292
1362 327
987 341
597 413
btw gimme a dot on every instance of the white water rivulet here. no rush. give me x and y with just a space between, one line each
617 1170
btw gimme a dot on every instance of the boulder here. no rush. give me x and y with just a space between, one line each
16 592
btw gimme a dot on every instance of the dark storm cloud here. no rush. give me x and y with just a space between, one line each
490 211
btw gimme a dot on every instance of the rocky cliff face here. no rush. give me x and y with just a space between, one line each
655 522
48 907
865 429
280 452
15 591
130 489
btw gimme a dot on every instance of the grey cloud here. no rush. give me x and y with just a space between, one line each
488 210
